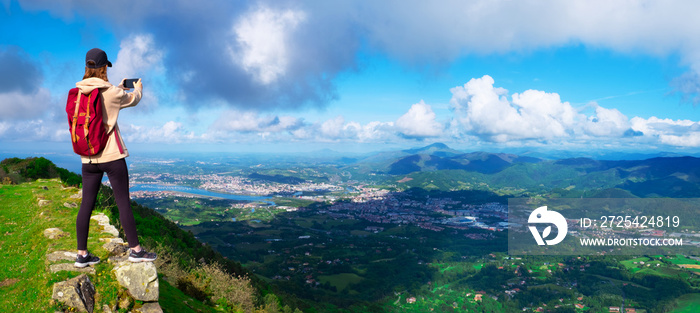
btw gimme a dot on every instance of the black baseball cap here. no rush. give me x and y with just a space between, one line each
98 56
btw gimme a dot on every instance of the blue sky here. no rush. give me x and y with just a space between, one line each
353 76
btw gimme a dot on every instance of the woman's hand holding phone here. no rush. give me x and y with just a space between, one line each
131 83
138 85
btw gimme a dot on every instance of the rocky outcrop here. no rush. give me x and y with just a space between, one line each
78 195
61 256
140 279
78 293
55 233
55 268
115 246
103 220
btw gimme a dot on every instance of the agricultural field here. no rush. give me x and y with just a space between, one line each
689 303
190 211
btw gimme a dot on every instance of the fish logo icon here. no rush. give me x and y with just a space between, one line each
542 216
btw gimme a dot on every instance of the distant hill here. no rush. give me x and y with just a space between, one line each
439 156
437 149
655 177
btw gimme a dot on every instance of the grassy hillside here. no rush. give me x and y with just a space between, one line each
192 276
25 281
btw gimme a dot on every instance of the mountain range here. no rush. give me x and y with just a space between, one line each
675 176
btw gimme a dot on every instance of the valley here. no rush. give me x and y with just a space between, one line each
363 236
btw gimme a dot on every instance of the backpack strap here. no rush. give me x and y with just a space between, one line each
73 136
87 122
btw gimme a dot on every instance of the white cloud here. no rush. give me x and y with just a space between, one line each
170 132
455 27
16 105
656 126
686 140
484 111
679 133
334 128
137 56
337 129
262 37
606 123
32 116
376 131
419 122
326 36
252 122
38 130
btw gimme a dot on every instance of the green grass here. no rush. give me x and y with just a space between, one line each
341 281
689 303
680 259
26 284
629 264
173 300
291 202
24 247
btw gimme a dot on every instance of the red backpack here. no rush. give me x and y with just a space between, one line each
85 122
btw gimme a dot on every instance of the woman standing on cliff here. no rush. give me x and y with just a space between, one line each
111 160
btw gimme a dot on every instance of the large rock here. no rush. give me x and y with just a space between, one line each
103 220
69 267
61 256
78 195
140 279
150 307
77 293
55 233
116 248
110 229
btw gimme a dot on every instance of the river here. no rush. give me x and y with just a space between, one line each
199 192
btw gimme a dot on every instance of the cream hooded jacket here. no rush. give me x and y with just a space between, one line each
114 98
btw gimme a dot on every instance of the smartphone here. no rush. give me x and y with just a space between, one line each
129 82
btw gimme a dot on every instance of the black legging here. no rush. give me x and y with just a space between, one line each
118 175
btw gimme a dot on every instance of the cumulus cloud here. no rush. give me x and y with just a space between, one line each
252 122
22 96
18 106
419 122
286 53
37 130
137 56
236 126
337 129
263 37
482 110
169 132
607 123
679 133
28 112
